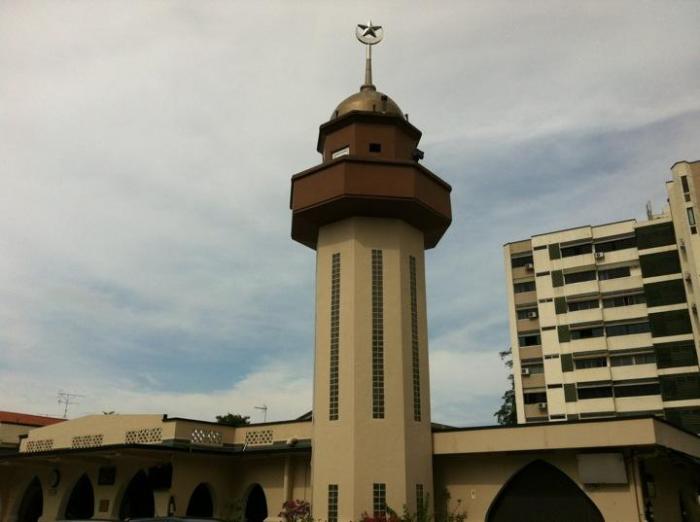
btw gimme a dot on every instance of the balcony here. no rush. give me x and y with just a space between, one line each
525 298
580 260
641 403
521 272
620 284
634 371
602 405
592 315
593 374
534 411
583 288
588 345
619 256
530 352
620 342
621 313
535 380
527 325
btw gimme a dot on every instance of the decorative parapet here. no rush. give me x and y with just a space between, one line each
87 441
258 438
144 436
35 446
205 437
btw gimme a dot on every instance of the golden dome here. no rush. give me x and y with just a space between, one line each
368 100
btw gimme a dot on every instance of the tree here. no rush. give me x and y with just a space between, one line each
506 413
233 419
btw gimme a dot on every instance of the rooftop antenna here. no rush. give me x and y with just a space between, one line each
650 214
264 410
67 399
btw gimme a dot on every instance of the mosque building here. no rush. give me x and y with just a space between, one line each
370 209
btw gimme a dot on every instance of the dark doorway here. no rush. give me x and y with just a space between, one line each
201 503
81 503
541 493
256 505
32 506
137 501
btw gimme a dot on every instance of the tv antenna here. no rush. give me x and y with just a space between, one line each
264 410
67 399
650 212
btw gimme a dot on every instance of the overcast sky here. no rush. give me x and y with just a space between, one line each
145 156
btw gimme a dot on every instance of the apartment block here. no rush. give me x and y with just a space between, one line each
603 319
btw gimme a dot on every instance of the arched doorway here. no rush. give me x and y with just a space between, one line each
256 505
137 501
32 505
201 504
541 493
81 503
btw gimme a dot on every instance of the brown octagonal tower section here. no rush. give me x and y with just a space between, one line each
370 210
370 168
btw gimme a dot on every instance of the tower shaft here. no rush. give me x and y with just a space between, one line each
372 443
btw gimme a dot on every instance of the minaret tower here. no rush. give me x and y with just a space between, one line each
370 210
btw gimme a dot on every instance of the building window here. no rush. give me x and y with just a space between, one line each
579 277
379 500
419 500
680 387
414 340
659 264
583 305
341 152
595 392
655 236
333 402
533 368
576 250
629 360
375 147
529 340
522 260
526 313
674 355
615 244
623 300
534 398
377 335
527 286
590 362
674 322
587 333
614 273
691 216
332 502
665 292
626 329
684 184
636 390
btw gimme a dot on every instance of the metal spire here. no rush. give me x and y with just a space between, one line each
369 35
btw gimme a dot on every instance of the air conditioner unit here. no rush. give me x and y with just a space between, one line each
694 308
681 243
524 371
532 315
686 276
529 266
542 405
599 255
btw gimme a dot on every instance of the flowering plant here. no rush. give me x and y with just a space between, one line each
296 511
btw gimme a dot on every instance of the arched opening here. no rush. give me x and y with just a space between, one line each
541 493
32 505
256 505
201 504
81 503
137 501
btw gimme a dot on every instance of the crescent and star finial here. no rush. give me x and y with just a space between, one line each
369 34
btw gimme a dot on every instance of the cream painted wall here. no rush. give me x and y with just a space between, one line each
357 451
